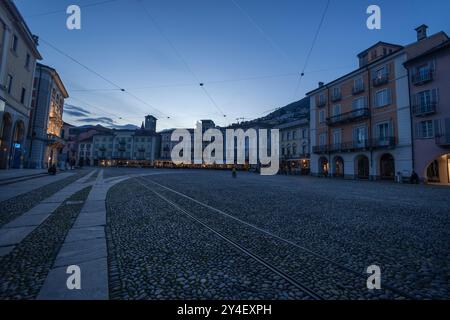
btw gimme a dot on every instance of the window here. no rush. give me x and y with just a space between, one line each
336 110
360 136
304 151
322 100
426 98
322 116
294 149
304 133
283 136
322 139
9 83
359 103
381 72
336 93
425 129
374 54
27 61
22 95
337 137
358 84
383 131
288 136
294 135
14 44
382 98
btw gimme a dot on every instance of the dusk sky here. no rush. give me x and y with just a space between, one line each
225 43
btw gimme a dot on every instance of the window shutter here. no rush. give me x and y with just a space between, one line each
419 130
437 128
447 129
432 65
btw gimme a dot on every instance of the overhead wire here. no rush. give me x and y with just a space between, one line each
103 77
180 56
308 56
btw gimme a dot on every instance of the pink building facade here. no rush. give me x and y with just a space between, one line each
429 77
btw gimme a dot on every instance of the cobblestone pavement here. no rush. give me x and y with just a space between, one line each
23 271
192 234
14 207
323 233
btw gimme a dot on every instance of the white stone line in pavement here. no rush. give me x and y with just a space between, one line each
15 231
84 246
13 190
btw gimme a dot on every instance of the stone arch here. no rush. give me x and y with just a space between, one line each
324 166
387 167
362 167
338 167
438 170
5 139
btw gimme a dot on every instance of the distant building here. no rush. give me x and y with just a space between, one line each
360 122
45 143
139 147
18 55
294 146
429 80
167 145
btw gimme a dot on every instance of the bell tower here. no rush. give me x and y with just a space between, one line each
150 123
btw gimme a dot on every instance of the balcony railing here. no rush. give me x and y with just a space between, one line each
380 80
424 109
336 97
357 89
443 140
351 146
354 115
321 103
422 77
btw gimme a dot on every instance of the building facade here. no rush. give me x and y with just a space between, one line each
45 142
361 122
429 76
127 147
18 55
294 146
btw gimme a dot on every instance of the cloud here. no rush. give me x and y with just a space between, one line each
76 114
99 120
75 111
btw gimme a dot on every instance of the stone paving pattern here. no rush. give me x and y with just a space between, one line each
133 240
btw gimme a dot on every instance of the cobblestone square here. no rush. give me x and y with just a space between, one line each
202 234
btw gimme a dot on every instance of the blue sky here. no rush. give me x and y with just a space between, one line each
221 45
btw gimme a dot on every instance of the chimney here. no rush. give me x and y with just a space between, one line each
321 84
421 32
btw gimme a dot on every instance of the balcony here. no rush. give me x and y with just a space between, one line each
321 149
321 103
424 109
382 143
443 141
352 146
422 77
355 115
358 89
380 80
336 97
